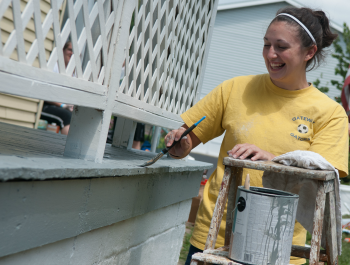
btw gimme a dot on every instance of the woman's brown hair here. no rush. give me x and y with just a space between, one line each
317 23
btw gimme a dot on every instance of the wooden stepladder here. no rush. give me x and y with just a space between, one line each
324 216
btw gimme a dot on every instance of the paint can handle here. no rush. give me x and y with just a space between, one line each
240 204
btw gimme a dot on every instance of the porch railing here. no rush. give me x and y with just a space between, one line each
161 46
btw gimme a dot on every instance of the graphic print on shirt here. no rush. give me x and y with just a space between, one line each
302 128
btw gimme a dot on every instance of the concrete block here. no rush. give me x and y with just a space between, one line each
151 238
36 213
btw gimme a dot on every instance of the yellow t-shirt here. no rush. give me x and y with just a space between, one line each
251 109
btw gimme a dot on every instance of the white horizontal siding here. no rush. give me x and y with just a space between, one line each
236 50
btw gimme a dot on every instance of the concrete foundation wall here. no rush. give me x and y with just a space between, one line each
109 220
152 238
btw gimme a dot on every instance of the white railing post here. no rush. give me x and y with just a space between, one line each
155 138
89 127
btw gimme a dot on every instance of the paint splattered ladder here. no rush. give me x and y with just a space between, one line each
324 216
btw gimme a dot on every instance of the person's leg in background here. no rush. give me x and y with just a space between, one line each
139 136
65 129
58 115
191 251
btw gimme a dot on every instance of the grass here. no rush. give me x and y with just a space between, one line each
345 256
344 259
186 244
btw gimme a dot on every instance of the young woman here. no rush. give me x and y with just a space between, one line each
271 114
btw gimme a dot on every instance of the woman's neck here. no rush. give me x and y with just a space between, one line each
301 83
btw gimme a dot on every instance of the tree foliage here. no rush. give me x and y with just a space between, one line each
323 89
342 54
343 57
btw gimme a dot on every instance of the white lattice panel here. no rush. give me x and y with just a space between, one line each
90 43
163 44
165 55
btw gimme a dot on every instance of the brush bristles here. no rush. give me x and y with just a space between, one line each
153 160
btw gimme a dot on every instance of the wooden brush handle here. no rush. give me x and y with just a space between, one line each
247 182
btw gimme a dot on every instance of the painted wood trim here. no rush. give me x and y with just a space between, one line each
103 34
114 17
28 25
86 134
124 110
12 84
39 35
90 47
91 146
74 38
155 139
16 9
58 41
63 9
26 71
147 107
62 87
132 135
38 114
3 6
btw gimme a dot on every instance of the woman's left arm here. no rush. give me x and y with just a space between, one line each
242 151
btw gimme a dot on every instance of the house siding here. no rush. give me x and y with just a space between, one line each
7 26
236 48
20 110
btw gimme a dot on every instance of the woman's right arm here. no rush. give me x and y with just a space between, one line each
184 147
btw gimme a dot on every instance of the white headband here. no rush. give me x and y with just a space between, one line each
301 24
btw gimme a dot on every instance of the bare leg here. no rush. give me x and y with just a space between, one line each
65 130
136 145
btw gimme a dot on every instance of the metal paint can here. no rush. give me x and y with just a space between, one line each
263 226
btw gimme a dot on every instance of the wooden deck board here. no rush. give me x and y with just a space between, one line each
34 154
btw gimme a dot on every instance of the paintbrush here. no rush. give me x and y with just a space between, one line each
165 150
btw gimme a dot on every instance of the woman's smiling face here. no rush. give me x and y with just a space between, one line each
284 56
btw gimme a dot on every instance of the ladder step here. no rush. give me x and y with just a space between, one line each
304 252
